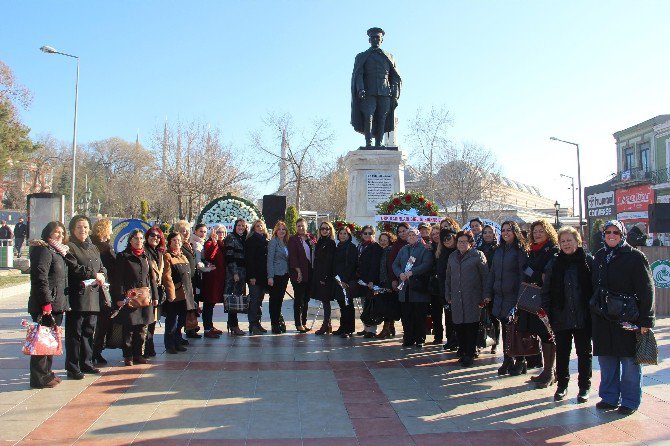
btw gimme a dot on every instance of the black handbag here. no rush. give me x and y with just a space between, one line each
530 298
614 306
370 315
485 335
519 343
646 348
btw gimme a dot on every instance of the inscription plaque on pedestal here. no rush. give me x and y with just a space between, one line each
379 188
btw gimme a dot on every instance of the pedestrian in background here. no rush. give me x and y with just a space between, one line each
20 236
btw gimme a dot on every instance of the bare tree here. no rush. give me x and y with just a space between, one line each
470 176
301 151
197 166
429 136
328 190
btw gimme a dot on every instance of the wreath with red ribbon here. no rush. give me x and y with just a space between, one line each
404 201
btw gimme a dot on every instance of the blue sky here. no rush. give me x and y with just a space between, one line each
512 73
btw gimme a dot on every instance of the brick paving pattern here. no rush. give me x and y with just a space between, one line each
304 390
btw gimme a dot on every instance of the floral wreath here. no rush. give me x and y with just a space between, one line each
353 227
403 202
228 209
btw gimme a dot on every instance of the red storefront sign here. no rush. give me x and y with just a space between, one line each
633 203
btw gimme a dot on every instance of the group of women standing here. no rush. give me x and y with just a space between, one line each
453 275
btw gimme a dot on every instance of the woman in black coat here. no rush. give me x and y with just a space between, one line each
133 275
620 268
322 276
388 300
48 282
256 260
566 293
543 247
446 247
488 246
367 271
236 271
101 237
85 301
344 274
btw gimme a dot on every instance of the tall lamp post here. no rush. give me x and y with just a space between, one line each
557 206
50 50
579 181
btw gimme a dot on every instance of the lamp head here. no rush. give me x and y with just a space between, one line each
48 49
557 205
553 138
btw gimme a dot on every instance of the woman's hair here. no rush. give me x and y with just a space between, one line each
76 219
572 231
519 239
244 234
102 228
132 235
161 237
451 222
346 230
51 227
372 236
172 235
331 234
276 228
402 225
468 234
391 236
181 224
212 232
548 228
253 229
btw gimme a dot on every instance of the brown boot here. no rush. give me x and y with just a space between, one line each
386 331
548 375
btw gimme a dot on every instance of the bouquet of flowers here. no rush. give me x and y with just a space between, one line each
408 268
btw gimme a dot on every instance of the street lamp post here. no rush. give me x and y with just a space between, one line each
572 187
50 50
557 206
579 181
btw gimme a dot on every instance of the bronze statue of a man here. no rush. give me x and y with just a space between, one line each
375 89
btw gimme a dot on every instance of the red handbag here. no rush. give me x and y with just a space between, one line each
42 340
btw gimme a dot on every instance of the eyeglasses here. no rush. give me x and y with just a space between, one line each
366 233
152 235
613 232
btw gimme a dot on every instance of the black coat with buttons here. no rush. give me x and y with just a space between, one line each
88 264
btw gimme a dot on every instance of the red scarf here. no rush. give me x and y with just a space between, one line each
535 247
137 252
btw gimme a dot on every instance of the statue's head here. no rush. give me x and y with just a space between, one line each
376 37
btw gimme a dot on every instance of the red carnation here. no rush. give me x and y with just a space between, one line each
421 199
434 214
408 198
396 201
391 207
387 226
429 206
351 226
338 225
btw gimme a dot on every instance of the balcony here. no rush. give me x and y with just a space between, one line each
634 176
661 176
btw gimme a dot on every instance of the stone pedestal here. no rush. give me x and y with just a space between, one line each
374 175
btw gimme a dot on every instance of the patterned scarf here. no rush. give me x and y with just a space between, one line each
59 247
611 252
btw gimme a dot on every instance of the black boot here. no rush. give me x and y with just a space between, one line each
519 367
507 364
561 393
535 361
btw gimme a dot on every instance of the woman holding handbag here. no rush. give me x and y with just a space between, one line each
236 271
620 270
543 248
388 299
322 284
344 274
464 288
48 282
566 294
369 254
503 283
135 294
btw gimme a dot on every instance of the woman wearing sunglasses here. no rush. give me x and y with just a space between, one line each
620 268
322 285
444 249
369 255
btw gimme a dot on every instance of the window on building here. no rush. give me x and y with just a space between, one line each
628 158
644 157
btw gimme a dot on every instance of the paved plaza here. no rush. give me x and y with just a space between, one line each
302 389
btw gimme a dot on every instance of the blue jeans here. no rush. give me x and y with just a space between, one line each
620 381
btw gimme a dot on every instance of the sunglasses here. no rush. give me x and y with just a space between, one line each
366 233
152 235
613 232
325 229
